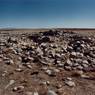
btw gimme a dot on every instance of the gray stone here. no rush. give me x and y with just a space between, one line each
19 70
79 55
85 65
9 61
85 62
57 55
73 54
79 61
50 72
43 44
35 93
69 63
69 78
39 51
51 92
69 48
67 68
70 83
80 67
18 88
10 83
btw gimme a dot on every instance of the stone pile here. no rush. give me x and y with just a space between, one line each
65 50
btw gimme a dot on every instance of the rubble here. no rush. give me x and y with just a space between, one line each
10 83
17 88
50 53
69 82
50 92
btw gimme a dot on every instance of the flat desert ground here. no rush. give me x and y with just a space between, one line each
47 62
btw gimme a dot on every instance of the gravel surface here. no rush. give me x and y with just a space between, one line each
47 62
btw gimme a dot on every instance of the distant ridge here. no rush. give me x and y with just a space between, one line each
12 29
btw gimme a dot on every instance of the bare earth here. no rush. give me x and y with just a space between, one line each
32 79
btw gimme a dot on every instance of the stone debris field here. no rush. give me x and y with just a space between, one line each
53 62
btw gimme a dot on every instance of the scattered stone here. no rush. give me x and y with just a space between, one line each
9 61
85 62
10 83
69 79
51 92
70 83
80 67
45 83
29 93
29 66
69 63
68 68
35 93
19 70
51 52
18 88
73 54
50 72
85 76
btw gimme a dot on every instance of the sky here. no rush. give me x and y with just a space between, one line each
47 13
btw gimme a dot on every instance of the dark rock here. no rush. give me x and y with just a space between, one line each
50 33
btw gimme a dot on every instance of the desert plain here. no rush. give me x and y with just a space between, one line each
47 61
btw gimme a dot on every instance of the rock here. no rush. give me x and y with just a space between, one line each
85 65
10 83
58 62
69 63
80 67
51 92
79 61
50 33
29 93
75 64
60 65
45 39
83 45
18 88
35 93
68 68
53 45
44 82
19 70
12 40
8 61
69 79
15 89
43 45
85 62
73 54
28 66
85 76
50 72
79 55
25 59
70 83
39 51
92 55
35 37
57 55
69 48
11 61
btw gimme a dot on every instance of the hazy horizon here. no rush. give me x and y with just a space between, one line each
47 13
